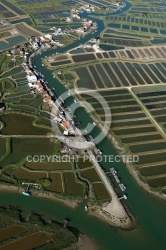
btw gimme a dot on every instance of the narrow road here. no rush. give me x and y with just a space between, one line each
27 136
115 208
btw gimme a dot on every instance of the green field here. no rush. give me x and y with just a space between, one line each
148 147
15 124
101 192
157 181
56 183
72 187
23 174
134 130
151 158
84 163
153 170
49 165
12 231
5 179
22 147
2 146
90 174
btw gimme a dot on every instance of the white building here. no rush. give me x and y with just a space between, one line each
31 78
68 19
80 30
35 45
48 36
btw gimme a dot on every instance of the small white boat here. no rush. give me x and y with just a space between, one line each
94 123
86 208
122 187
27 193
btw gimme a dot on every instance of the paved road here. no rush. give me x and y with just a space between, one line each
115 208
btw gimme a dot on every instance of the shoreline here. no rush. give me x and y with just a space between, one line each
99 213
84 243
127 226
15 189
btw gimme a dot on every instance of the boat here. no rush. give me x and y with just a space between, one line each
125 197
94 123
91 138
99 151
86 208
112 170
122 187
27 193
116 178
61 99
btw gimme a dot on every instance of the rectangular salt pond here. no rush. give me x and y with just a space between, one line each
104 76
111 74
154 31
163 32
134 139
153 170
96 77
134 73
151 158
143 29
148 147
129 123
125 26
138 130
119 73
128 116
126 73
142 72
11 42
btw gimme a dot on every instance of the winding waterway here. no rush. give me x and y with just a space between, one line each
149 211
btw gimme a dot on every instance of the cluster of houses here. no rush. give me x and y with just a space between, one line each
75 14
36 85
88 8
39 85
45 41
21 50
87 25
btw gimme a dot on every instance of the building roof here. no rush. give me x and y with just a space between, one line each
47 99
66 124
38 85
66 132
31 78
41 90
